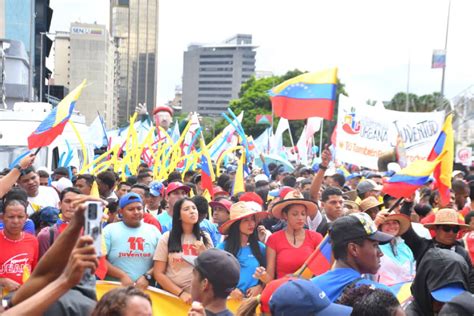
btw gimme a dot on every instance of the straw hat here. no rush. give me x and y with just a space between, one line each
446 216
293 197
402 219
350 195
238 211
369 203
351 204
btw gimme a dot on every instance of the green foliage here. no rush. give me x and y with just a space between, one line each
424 103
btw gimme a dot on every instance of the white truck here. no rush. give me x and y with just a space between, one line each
17 124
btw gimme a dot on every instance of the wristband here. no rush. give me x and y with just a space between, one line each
322 167
182 291
18 167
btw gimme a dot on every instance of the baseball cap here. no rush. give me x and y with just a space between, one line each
61 184
220 267
129 198
281 192
353 175
368 185
222 203
268 291
355 226
261 177
448 292
49 215
304 297
156 188
220 191
173 186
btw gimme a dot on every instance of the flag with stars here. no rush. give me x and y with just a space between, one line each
311 94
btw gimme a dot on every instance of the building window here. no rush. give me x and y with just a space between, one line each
215 76
229 62
215 89
215 69
215 82
250 63
215 56
210 95
212 102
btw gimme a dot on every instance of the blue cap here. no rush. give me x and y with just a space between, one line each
231 168
448 292
49 215
156 188
353 175
315 167
129 198
304 297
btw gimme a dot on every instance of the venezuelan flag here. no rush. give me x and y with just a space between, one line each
443 171
307 95
207 172
53 125
319 262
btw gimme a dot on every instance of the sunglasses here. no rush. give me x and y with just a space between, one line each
447 229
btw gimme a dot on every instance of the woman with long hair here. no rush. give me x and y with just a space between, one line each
288 249
185 239
242 241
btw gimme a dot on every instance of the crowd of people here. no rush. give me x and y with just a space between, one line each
249 246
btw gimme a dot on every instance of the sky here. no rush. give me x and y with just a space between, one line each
375 44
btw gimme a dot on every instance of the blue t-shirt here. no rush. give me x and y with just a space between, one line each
29 227
131 249
211 229
335 281
248 264
166 222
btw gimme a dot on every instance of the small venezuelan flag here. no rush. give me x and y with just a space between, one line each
207 172
53 125
307 95
319 262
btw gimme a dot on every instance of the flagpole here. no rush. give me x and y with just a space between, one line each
321 138
445 50
293 143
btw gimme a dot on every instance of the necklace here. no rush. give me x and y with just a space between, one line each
13 240
294 236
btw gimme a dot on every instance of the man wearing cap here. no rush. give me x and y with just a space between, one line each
442 275
131 244
353 180
174 192
156 195
367 188
220 210
163 117
355 246
303 297
216 274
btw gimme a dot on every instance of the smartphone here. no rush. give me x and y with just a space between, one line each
93 224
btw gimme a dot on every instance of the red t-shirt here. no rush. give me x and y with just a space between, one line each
150 219
15 255
288 258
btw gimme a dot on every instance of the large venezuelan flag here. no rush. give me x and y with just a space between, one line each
307 95
53 125
443 171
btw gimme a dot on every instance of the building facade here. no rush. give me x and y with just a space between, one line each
134 28
213 74
88 52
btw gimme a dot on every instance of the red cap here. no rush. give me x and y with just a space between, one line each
222 203
251 197
163 108
218 190
173 186
268 291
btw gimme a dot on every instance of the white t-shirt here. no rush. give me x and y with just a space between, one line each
47 196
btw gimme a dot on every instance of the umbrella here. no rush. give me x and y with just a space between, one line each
287 166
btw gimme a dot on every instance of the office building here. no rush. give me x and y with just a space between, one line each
88 52
134 28
214 73
14 73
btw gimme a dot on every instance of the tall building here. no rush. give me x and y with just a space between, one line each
14 73
213 74
88 52
134 27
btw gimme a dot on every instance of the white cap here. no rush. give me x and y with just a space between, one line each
62 184
261 177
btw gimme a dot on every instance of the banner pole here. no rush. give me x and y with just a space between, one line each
321 138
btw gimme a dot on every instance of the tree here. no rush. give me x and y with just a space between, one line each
424 103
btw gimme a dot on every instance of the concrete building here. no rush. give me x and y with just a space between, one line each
213 74
134 28
88 52
14 73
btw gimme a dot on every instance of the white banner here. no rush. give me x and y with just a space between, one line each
366 132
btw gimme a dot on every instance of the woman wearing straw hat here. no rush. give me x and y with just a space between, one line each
242 242
398 264
288 249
